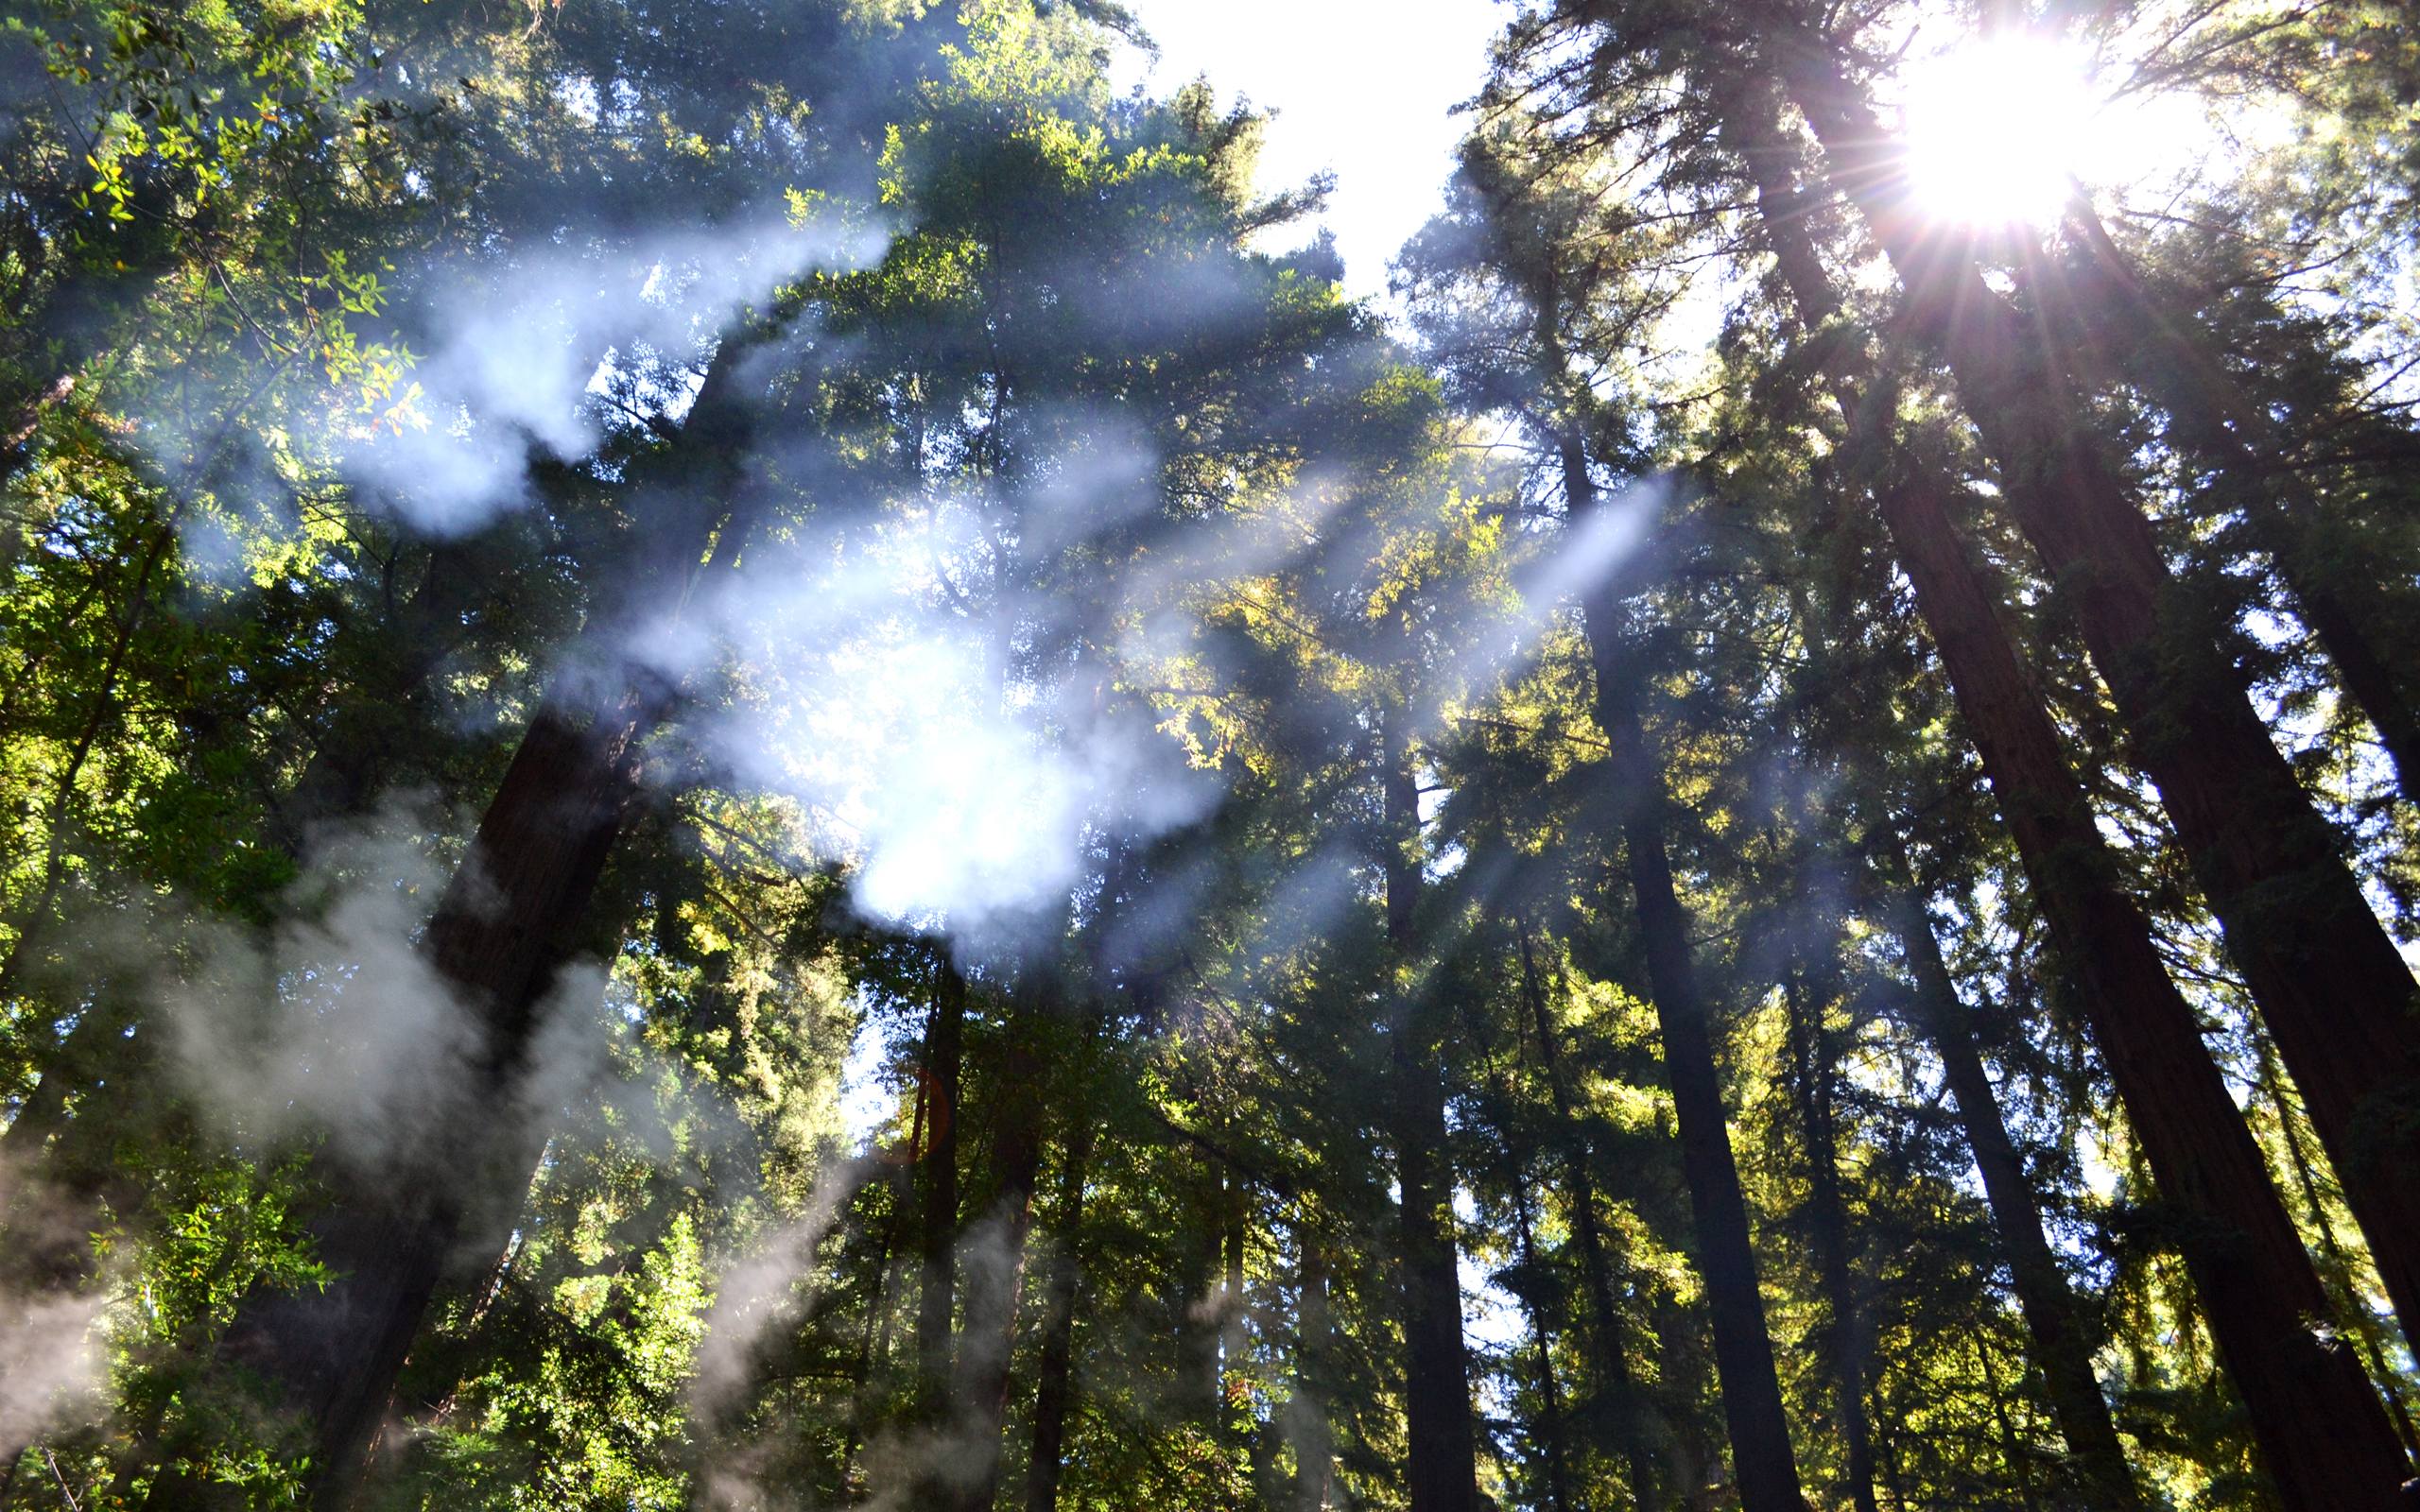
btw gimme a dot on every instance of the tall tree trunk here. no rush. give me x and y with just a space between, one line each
505 926
2209 412
873 1339
1813 1081
1697 1479
1550 1424
2331 986
1762 1462
2360 1322
2012 1445
987 1336
2097 1462
937 1226
2096 1457
1309 1431
1054 1377
1442 1473
1233 1337
1610 1360
501 932
2322 1432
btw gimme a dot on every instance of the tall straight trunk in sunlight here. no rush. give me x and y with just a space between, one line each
2061 1349
1761 1459
1609 1360
2318 1421
2096 1458
1553 1444
1809 990
1309 1430
502 932
1442 1472
2210 414
2332 989
995 1272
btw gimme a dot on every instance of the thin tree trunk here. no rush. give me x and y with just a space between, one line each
2096 1456
1054 1377
936 1238
1611 1358
989 1334
1313 1439
1762 1461
873 1337
2333 990
2012 1446
1233 1337
1812 1052
1442 1472
1696 1477
1550 1425
2320 1429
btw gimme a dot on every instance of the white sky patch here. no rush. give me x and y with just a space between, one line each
867 1096
1493 1321
1363 88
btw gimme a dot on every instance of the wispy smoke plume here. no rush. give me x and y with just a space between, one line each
334 1023
50 1358
521 355
762 1293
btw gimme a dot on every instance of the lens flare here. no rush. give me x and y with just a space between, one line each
1993 130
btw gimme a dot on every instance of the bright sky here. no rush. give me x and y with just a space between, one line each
1361 87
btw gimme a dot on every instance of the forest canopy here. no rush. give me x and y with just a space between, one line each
754 756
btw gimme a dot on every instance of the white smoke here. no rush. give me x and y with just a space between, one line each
50 1362
50 1356
524 354
763 1292
332 1022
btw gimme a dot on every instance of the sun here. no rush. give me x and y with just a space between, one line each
1996 130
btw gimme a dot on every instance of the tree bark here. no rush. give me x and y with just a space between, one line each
501 932
1442 1472
1610 1360
1309 1431
1828 1211
2321 1430
937 1237
1054 1377
1550 1424
2332 989
505 925
988 1336
2047 1304
1762 1461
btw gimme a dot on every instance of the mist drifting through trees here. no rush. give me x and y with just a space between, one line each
755 757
